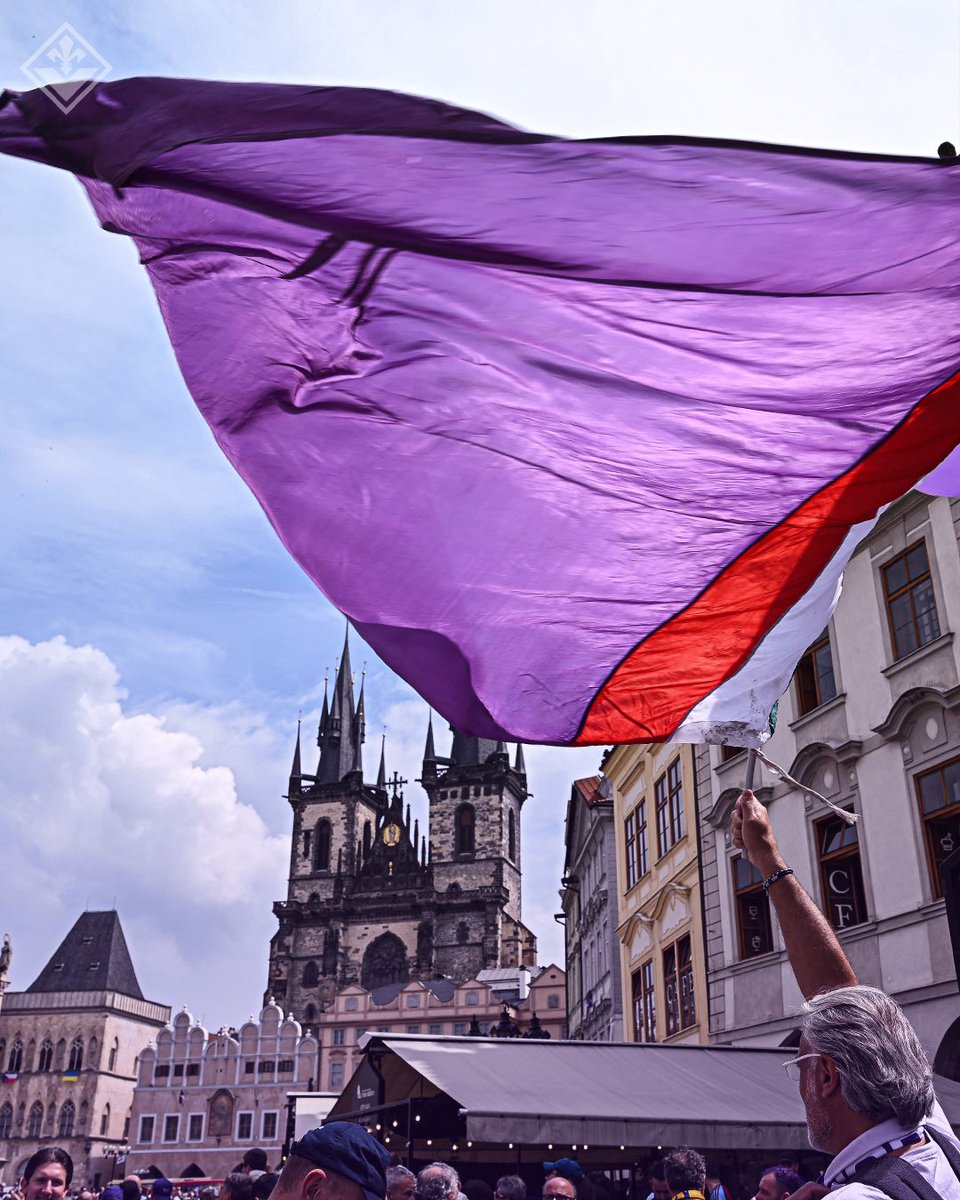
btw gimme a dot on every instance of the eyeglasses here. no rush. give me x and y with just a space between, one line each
792 1067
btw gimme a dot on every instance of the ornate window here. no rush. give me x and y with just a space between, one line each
511 836
911 606
816 683
114 1051
68 1115
30 1056
15 1061
45 1061
644 1003
841 876
76 1054
311 974
105 1120
671 822
678 986
384 961
321 846
6 1120
464 824
753 910
938 792
35 1122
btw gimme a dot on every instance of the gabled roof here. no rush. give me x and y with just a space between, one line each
93 957
589 789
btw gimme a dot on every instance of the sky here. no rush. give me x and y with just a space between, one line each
156 641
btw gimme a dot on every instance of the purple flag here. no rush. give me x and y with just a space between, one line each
579 435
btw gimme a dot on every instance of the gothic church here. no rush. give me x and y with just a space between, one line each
372 901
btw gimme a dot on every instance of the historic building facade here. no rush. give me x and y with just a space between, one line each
202 1100
588 897
69 1046
373 902
660 923
872 722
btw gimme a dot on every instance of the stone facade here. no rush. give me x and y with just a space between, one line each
872 722
71 1054
372 901
589 900
660 919
202 1100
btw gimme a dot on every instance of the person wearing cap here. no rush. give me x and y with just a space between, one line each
339 1161
563 1179
112 1192
162 1190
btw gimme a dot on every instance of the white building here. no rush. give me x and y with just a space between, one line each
872 722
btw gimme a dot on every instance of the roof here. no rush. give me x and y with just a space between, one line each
589 789
602 1093
92 957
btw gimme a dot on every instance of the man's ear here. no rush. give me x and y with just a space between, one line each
311 1186
827 1076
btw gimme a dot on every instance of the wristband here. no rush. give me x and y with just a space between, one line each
772 879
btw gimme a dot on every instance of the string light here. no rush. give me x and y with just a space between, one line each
417 1117
429 1141
394 1124
509 1145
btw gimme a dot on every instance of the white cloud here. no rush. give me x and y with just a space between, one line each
101 807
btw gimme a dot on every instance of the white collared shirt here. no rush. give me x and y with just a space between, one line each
928 1159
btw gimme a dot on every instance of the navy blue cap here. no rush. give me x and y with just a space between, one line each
569 1168
161 1187
351 1152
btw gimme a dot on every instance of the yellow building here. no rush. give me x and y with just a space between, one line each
659 913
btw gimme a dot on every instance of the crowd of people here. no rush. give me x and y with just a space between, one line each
864 1080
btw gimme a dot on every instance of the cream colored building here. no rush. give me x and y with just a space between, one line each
659 914
69 1046
871 720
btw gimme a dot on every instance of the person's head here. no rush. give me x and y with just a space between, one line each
162 1190
658 1181
112 1192
339 1161
264 1184
510 1187
860 1062
135 1180
255 1159
791 1162
400 1183
130 1189
685 1170
236 1186
438 1181
85 1193
207 1192
564 1171
47 1175
777 1183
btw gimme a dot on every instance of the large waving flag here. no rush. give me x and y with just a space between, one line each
578 434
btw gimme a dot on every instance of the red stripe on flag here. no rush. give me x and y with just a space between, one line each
693 653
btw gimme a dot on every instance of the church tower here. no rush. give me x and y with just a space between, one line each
373 901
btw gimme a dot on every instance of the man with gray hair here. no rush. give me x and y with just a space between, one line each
400 1183
685 1171
438 1181
865 1081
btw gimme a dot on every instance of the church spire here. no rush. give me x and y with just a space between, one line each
296 774
341 733
471 751
382 773
519 765
429 753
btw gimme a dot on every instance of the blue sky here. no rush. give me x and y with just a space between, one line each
156 642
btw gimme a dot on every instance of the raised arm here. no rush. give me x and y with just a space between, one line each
816 956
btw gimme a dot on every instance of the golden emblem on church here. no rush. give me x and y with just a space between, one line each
391 835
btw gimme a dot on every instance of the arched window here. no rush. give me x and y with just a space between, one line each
511 836
68 1115
93 1054
84 1116
76 1054
463 933
15 1061
45 1061
105 1120
59 1055
321 846
3 1051
464 825
35 1124
30 1056
6 1120
384 961
311 975
114 1051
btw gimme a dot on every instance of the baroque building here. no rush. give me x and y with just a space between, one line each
871 721
69 1046
372 901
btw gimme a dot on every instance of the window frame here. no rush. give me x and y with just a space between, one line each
191 1118
150 1120
948 809
165 1135
248 1136
907 589
744 892
669 805
808 685
275 1115
843 854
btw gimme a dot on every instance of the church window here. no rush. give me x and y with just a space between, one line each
511 836
114 1051
35 1124
31 1055
84 1115
306 843
939 795
464 827
311 974
15 1061
60 1055
384 961
146 1129
463 933
68 1115
321 853
105 1121
76 1054
6 1120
